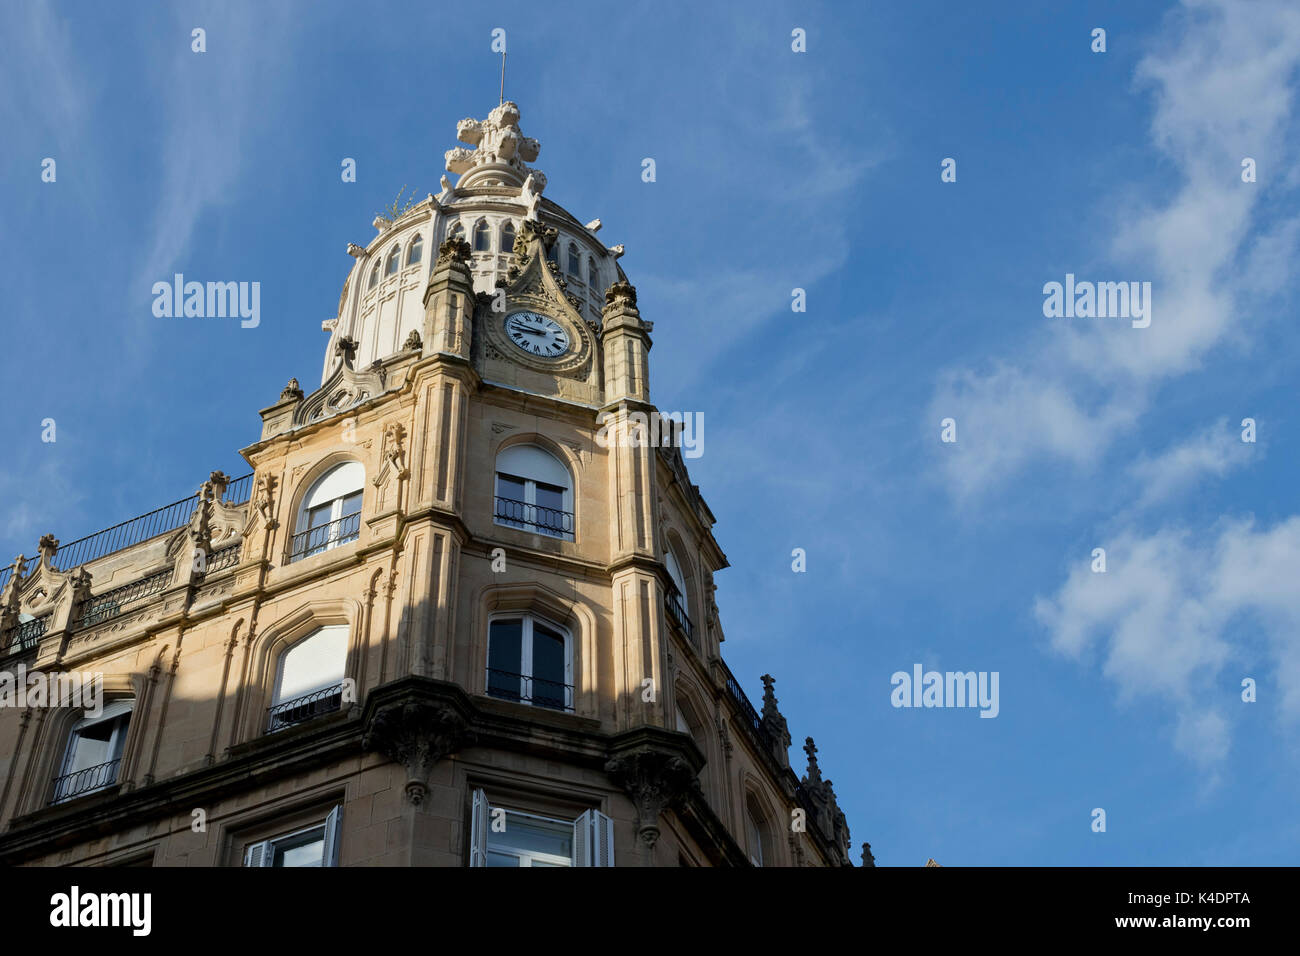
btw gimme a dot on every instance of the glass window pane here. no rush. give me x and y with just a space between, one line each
505 655
351 504
496 858
306 849
417 247
529 835
549 496
548 667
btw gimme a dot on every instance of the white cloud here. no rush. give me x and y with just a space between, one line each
1212 452
1171 616
1223 89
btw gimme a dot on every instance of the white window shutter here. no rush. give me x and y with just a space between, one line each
333 835
604 842
581 840
258 854
593 840
478 825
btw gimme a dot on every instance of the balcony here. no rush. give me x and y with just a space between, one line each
111 603
307 707
505 685
138 530
85 781
27 636
677 613
548 521
323 537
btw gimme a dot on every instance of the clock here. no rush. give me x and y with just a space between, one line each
537 334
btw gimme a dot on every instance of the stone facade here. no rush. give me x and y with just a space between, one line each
651 735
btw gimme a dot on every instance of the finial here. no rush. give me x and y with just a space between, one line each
867 858
814 774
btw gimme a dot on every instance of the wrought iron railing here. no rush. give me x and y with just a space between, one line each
751 718
677 612
27 635
225 558
318 702
130 533
520 514
506 685
326 536
84 781
110 603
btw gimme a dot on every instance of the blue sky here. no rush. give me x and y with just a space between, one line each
775 170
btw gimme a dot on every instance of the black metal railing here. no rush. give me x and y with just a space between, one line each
225 558
326 536
520 514
308 706
677 612
84 781
506 685
27 635
751 717
136 530
110 603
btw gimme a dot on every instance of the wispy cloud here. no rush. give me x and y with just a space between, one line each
1223 89
1169 618
1211 453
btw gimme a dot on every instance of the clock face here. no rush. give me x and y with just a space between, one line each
537 334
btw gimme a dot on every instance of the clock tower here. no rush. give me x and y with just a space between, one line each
445 621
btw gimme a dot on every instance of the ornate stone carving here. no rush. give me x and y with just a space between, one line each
345 388
656 780
621 293
292 391
501 152
356 251
347 348
413 342
867 858
416 735
454 249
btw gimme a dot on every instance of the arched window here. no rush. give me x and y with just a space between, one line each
529 661
394 260
309 677
482 236
330 514
675 599
507 237
534 492
758 833
593 275
457 231
415 250
93 757
374 277
575 261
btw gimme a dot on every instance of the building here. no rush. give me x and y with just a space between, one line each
460 613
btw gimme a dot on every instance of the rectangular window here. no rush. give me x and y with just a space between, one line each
314 846
528 661
94 755
510 838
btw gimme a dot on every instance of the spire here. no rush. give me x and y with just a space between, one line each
813 778
501 151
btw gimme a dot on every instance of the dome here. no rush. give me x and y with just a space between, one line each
496 191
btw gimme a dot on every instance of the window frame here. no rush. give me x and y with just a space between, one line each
116 749
261 853
272 724
529 500
526 659
592 843
415 248
336 538
481 228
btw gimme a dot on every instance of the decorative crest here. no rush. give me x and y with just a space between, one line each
500 146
